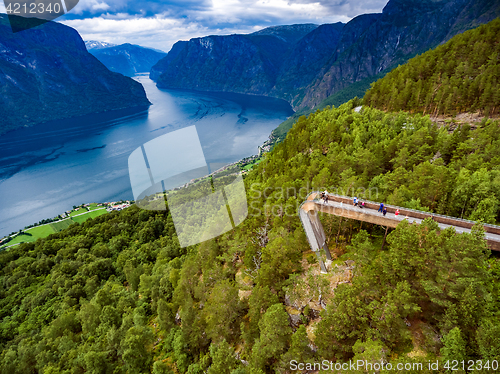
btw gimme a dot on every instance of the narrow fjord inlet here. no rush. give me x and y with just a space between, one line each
47 169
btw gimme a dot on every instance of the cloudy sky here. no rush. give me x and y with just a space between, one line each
160 23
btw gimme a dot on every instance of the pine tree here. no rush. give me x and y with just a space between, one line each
453 346
275 333
223 358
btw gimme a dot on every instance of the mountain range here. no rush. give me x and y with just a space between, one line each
94 44
127 59
46 74
305 64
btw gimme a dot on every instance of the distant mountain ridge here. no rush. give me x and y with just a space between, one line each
94 44
288 33
234 63
128 59
327 59
47 74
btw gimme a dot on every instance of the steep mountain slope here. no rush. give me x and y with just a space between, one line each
128 59
460 76
236 63
329 58
305 60
404 29
171 58
288 33
47 74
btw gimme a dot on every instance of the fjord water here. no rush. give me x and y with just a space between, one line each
46 169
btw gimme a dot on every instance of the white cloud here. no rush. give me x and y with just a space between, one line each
348 8
159 24
157 32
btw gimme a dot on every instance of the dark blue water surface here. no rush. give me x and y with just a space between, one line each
46 169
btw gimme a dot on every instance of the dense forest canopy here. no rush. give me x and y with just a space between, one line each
463 75
117 294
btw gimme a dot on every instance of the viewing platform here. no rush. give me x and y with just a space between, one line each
342 206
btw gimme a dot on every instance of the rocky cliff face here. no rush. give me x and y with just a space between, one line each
128 59
46 73
307 57
236 63
404 29
327 59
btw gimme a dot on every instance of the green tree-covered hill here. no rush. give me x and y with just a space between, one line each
462 75
117 294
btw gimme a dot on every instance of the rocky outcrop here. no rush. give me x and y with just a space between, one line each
235 63
46 74
304 62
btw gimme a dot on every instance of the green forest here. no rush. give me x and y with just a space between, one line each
463 75
117 294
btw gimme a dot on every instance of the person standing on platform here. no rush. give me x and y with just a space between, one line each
355 201
384 212
381 208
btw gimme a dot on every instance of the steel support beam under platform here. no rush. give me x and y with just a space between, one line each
342 206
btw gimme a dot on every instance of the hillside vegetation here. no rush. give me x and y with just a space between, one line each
117 294
460 76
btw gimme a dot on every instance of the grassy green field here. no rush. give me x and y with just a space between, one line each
250 166
32 235
61 225
77 212
91 214
35 233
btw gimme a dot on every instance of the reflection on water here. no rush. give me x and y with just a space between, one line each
47 169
